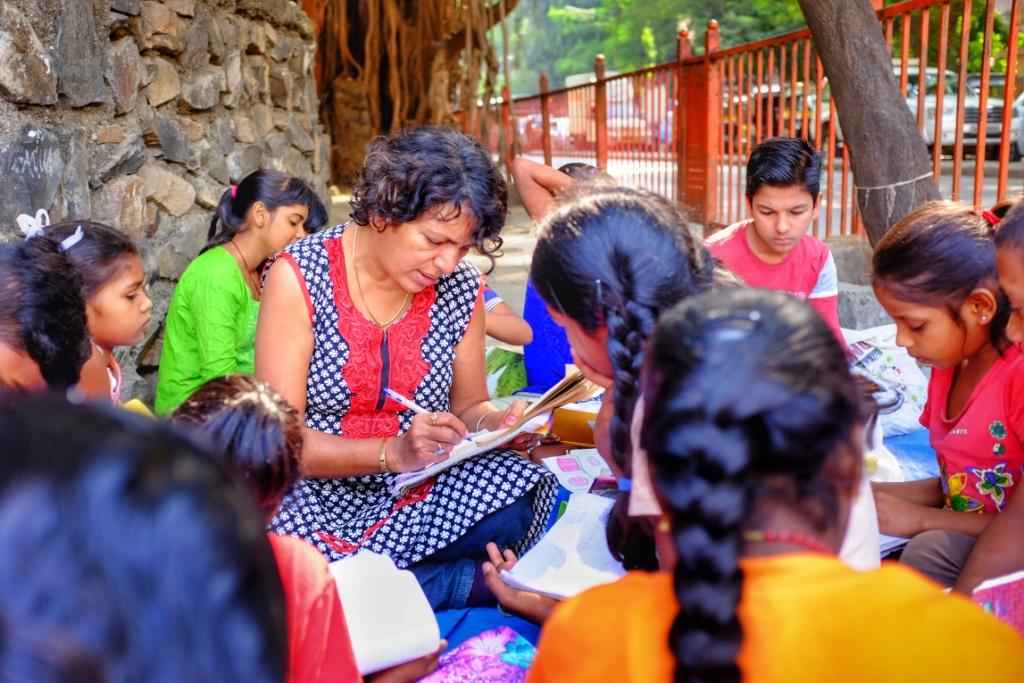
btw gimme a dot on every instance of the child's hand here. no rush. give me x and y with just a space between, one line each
410 671
898 517
533 606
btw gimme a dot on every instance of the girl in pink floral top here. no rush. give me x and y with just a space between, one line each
935 274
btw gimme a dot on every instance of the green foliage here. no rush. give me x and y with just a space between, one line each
562 37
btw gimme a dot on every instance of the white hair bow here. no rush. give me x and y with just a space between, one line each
33 226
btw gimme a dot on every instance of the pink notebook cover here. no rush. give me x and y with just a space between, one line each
1004 598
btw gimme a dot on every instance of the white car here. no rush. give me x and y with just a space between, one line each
948 125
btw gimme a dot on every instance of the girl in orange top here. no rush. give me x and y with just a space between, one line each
753 434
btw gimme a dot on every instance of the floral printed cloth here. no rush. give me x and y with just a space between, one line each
980 451
497 656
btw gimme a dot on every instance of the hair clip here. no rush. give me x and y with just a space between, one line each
72 239
32 226
234 191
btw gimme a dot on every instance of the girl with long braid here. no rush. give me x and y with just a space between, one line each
753 429
608 261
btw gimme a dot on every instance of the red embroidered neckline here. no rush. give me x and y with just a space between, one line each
406 365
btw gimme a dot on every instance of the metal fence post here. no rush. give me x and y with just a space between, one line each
699 125
507 128
601 114
545 118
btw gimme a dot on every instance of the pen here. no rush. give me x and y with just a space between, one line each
402 400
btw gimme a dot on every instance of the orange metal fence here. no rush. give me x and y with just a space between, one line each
685 129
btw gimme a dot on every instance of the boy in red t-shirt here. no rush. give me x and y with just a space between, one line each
773 250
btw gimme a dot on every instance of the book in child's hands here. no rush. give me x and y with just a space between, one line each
388 617
573 555
1004 598
535 418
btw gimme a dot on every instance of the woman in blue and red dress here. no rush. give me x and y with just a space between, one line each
387 301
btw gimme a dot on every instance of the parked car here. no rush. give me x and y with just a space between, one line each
972 101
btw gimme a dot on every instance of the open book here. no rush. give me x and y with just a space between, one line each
573 388
388 617
573 556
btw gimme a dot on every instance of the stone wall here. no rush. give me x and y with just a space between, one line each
140 113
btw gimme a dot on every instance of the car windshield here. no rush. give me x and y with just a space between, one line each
949 84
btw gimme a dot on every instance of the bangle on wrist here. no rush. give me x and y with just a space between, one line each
382 457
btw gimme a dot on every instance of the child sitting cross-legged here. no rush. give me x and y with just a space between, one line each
256 434
935 274
753 434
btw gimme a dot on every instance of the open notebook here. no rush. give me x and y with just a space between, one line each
388 617
575 387
573 556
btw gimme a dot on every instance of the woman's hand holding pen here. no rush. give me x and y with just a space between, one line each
430 439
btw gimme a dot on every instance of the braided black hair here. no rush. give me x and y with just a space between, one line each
617 257
743 385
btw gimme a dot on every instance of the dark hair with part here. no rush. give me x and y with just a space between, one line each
126 541
98 256
750 396
616 258
420 169
1009 233
252 430
274 189
936 256
42 311
784 162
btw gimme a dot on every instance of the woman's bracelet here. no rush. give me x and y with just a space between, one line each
382 457
480 421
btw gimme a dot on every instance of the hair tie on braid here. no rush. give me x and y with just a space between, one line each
990 217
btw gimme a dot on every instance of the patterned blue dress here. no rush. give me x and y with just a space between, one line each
353 362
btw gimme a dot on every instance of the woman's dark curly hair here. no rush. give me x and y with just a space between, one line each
417 169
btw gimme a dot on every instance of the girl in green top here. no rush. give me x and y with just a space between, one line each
211 323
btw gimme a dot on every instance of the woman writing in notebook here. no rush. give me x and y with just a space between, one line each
753 432
387 303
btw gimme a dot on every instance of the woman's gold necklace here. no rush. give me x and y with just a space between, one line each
359 286
250 277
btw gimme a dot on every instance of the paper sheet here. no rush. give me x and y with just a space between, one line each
573 556
389 619
889 544
472 445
